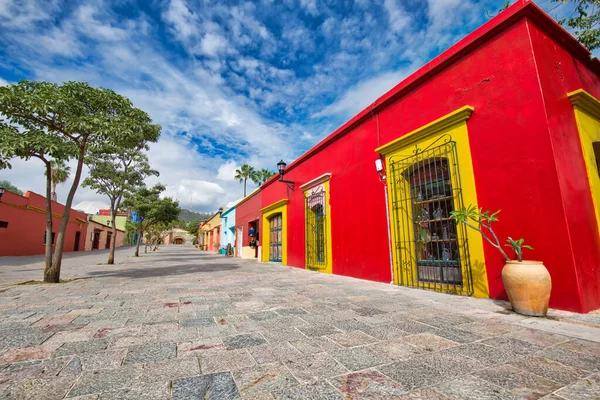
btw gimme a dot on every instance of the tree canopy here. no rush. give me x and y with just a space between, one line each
584 21
10 187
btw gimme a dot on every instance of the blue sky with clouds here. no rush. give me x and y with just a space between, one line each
230 82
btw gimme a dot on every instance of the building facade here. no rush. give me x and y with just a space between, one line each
23 225
247 222
99 236
211 230
228 231
507 119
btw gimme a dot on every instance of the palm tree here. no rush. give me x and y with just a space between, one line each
244 173
262 176
59 174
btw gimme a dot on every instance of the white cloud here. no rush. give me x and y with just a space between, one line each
398 18
226 171
182 20
212 44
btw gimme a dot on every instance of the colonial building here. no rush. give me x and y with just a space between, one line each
247 222
211 231
228 230
99 236
506 119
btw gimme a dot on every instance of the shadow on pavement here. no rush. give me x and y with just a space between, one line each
182 269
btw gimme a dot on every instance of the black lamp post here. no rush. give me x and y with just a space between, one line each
220 210
2 190
281 168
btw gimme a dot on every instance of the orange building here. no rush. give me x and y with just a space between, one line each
23 225
99 236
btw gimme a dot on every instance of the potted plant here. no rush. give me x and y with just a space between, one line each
527 283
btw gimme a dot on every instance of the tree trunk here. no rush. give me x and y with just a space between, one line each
244 187
48 276
137 246
60 239
146 247
113 239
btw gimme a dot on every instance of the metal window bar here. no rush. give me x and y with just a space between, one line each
275 238
431 251
316 237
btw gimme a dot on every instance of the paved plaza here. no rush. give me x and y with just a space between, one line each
184 324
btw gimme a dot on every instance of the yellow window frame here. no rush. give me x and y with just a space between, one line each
279 207
454 125
307 187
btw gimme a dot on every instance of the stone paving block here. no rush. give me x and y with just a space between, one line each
27 353
314 366
243 341
349 325
549 369
38 369
384 332
319 390
228 360
71 336
520 383
86 346
424 394
263 315
54 320
367 385
457 335
487 329
367 311
274 352
358 358
25 337
584 389
290 311
37 389
207 321
485 354
92 361
318 330
538 338
307 346
150 353
282 335
429 342
170 370
107 380
141 391
512 344
264 378
218 386
429 369
395 349
193 349
582 346
575 359
352 339
471 388
413 327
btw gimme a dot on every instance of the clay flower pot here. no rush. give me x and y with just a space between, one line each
528 287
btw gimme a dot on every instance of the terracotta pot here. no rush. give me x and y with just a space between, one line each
528 287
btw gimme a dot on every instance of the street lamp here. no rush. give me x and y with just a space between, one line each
281 168
220 210
2 190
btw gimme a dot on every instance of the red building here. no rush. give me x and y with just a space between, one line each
247 222
23 225
507 119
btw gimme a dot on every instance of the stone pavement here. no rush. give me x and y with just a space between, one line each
183 324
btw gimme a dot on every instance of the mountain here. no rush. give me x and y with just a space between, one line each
189 216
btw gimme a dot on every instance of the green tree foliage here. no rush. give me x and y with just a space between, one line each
187 216
244 173
59 173
261 176
10 187
114 171
151 209
48 121
584 21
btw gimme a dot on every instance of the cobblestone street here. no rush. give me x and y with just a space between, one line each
184 324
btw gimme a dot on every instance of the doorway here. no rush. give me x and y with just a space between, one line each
77 238
275 224
96 240
108 237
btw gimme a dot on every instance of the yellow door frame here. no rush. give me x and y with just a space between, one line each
279 207
323 180
453 125
587 116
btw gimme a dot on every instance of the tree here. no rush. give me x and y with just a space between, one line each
59 173
113 172
62 122
244 173
584 20
150 209
11 188
262 176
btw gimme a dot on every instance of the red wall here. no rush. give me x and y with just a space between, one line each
249 211
559 74
513 151
26 227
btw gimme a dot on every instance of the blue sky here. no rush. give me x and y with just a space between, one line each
230 82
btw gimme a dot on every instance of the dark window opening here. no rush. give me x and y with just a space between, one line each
53 237
3 224
596 146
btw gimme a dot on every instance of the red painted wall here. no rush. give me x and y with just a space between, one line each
249 211
26 227
517 164
561 73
